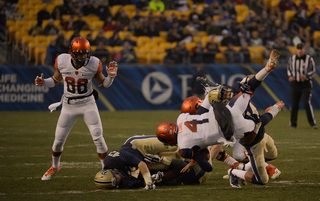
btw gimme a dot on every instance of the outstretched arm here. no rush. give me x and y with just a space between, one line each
105 82
146 176
49 82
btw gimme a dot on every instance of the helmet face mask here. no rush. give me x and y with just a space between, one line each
191 105
226 94
221 93
167 133
80 51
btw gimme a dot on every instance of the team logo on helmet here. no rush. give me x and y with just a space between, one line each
105 179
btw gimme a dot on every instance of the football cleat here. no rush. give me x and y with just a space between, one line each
279 105
237 165
51 172
225 176
273 172
149 187
233 179
273 60
157 178
206 82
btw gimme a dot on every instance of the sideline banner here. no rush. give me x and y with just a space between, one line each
155 87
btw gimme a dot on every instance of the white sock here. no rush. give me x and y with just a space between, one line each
262 74
230 161
55 161
239 173
274 110
102 163
247 166
265 165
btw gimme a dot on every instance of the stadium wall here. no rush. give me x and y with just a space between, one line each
138 87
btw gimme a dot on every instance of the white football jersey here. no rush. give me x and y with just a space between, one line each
201 130
77 82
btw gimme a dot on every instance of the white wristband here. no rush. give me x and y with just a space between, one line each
49 82
147 178
107 82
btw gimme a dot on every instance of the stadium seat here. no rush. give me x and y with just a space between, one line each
190 46
157 40
68 34
96 25
141 40
129 8
256 53
242 11
292 49
108 34
114 9
164 35
84 33
40 55
316 38
122 35
158 58
143 55
288 15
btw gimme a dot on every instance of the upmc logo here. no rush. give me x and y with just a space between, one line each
157 88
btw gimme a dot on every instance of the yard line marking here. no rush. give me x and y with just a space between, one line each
202 187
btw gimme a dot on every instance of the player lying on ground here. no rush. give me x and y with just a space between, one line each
125 169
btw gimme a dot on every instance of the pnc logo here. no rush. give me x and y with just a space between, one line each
157 88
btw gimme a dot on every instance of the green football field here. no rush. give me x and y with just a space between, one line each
25 154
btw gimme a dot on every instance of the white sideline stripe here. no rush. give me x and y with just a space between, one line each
285 183
45 155
64 164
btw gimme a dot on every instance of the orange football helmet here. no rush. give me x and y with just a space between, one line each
80 51
191 105
167 133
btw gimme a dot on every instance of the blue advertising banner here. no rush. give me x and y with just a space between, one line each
155 87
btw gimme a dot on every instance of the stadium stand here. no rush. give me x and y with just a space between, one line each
153 49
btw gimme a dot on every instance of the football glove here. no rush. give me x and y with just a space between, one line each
245 89
156 178
150 186
112 69
152 158
39 81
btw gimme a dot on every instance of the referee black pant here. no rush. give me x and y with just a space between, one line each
304 90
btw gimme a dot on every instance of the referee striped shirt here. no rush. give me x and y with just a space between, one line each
301 65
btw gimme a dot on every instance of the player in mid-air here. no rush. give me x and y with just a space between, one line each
192 104
219 124
259 145
77 69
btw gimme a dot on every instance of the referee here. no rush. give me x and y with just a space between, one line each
300 69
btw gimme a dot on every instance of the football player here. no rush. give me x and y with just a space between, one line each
130 167
77 69
260 146
191 105
218 124
131 155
